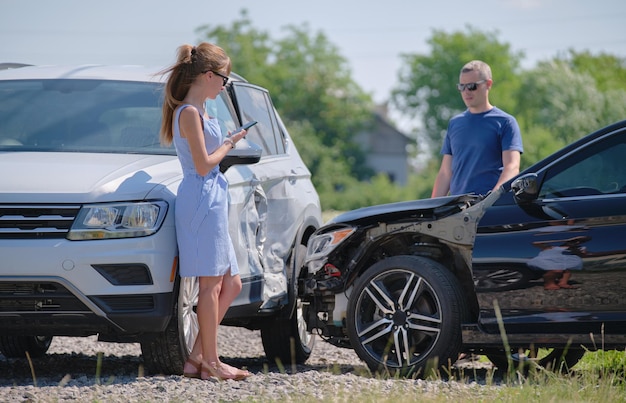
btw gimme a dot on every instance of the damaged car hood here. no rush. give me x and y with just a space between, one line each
426 209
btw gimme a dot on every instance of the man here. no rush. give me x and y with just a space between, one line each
483 145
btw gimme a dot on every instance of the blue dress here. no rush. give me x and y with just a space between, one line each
201 212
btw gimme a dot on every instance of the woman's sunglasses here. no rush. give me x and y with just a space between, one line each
224 78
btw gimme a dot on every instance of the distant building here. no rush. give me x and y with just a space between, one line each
385 148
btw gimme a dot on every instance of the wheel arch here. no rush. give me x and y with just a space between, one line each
416 244
306 230
295 262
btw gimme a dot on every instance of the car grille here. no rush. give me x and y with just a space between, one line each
36 221
38 297
52 297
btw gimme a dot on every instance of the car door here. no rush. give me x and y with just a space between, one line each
575 227
266 217
245 206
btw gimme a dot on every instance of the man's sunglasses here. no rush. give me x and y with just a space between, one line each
469 86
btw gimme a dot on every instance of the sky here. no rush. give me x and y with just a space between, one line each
371 35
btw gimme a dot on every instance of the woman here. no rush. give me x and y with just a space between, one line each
201 212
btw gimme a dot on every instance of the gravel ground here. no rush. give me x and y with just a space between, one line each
69 373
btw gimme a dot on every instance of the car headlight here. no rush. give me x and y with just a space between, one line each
322 244
117 220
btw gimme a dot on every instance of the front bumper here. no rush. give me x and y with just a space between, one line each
78 288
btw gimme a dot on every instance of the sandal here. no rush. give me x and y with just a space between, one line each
197 374
219 371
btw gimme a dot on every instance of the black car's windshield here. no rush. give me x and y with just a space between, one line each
81 116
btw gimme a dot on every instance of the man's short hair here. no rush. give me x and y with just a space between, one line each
481 67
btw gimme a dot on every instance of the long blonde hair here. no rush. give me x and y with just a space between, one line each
191 61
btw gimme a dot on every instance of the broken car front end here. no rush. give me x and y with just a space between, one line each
388 280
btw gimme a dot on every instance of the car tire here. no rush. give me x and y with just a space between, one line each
405 315
556 359
286 340
17 346
166 352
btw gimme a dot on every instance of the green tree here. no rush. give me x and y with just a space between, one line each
608 71
563 102
309 81
250 50
556 97
312 87
332 172
539 142
427 90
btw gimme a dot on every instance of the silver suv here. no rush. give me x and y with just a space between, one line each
87 238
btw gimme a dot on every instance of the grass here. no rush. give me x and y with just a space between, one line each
598 378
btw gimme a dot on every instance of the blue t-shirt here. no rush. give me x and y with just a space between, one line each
476 141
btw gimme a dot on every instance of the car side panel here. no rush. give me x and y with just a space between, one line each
576 225
594 250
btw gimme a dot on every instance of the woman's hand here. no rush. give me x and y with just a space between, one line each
238 135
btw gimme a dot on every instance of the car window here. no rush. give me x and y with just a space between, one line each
595 170
256 104
218 107
81 116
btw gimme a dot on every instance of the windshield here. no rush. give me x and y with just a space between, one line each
81 116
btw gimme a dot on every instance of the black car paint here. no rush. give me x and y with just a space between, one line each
589 225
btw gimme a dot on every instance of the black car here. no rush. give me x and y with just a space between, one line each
542 260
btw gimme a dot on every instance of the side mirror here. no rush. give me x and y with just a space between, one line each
246 153
525 188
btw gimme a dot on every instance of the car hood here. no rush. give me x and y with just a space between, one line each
83 177
425 209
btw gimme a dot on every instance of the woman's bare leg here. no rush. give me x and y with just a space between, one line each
564 281
208 315
231 287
